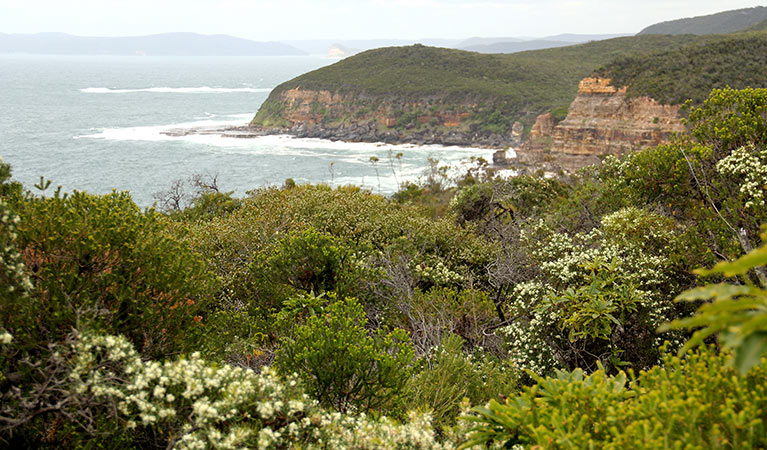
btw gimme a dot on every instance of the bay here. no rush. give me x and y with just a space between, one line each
95 123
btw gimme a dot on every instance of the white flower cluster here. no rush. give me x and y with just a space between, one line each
6 338
13 277
362 433
628 243
528 348
749 164
436 271
200 406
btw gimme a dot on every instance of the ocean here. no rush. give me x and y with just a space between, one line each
94 123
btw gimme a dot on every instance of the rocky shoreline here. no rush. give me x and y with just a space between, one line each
367 133
370 132
360 133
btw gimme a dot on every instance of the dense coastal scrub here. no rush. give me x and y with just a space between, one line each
311 317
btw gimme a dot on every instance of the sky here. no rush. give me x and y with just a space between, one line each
275 20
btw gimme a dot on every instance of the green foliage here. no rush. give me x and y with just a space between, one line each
720 23
448 376
736 313
731 118
97 261
473 202
344 366
511 87
8 188
592 310
562 412
695 403
529 195
308 261
210 204
233 335
691 72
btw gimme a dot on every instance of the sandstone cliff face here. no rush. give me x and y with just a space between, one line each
601 121
322 114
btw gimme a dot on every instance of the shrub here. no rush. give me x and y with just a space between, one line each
696 402
308 261
736 313
472 203
98 261
101 394
345 366
430 316
448 376
599 296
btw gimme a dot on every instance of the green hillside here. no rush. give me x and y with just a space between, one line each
518 86
720 23
761 26
690 72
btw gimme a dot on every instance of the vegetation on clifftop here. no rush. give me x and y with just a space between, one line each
497 90
690 72
720 23
516 87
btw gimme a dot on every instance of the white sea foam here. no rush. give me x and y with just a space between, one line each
349 158
170 90
347 151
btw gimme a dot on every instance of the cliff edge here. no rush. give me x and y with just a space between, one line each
601 121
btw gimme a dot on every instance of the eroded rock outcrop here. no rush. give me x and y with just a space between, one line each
393 119
601 121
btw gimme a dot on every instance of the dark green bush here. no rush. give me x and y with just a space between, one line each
344 365
99 262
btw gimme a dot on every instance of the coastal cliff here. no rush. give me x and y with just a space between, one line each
425 95
602 120
381 118
572 106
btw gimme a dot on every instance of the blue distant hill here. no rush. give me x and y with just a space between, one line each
167 44
719 23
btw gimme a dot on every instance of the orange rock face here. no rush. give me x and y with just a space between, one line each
598 86
602 121
308 106
543 126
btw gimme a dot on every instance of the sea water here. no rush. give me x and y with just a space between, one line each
95 123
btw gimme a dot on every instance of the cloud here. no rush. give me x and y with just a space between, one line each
346 19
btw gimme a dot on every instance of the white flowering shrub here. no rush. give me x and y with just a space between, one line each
189 403
14 282
13 279
364 433
599 296
433 270
748 164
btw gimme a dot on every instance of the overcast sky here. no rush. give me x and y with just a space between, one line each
349 19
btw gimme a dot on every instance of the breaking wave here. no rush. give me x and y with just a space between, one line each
170 90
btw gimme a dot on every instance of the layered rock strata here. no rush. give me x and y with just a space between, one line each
601 121
322 114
